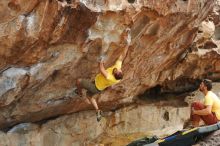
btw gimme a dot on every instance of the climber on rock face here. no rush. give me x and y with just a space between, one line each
106 78
209 112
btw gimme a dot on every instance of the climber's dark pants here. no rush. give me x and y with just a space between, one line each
89 86
208 119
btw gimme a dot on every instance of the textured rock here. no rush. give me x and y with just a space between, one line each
23 128
144 118
45 47
82 128
213 140
54 45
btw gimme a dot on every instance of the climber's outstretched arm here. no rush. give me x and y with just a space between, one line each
127 37
124 53
102 69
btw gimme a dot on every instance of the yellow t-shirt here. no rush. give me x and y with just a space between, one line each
101 82
214 101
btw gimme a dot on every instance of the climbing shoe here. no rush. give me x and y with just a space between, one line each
99 115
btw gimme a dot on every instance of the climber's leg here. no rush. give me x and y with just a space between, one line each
92 90
95 105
